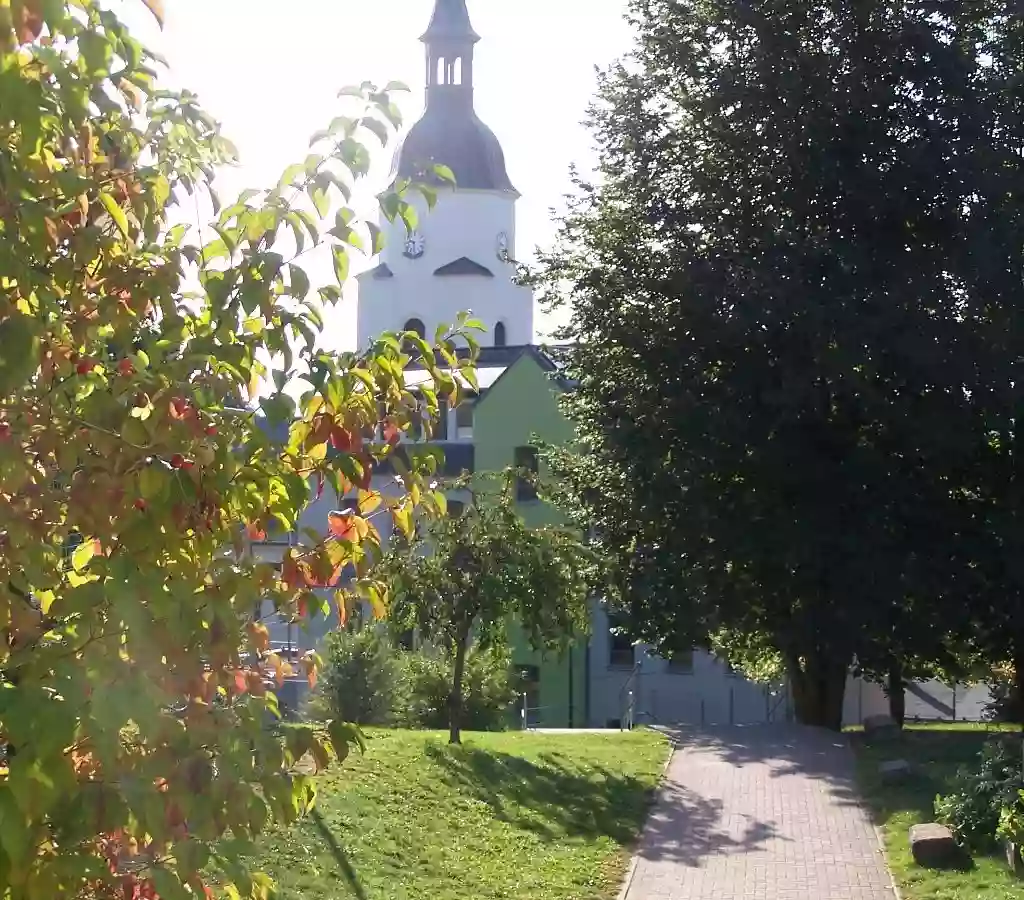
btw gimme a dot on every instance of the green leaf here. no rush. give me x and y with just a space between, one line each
444 173
152 482
378 128
341 264
291 175
298 280
116 213
376 238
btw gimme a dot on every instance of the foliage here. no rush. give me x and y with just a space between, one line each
466 575
135 676
518 815
789 348
1011 821
973 806
488 699
364 678
935 753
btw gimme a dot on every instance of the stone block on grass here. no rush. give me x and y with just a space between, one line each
933 846
881 728
894 770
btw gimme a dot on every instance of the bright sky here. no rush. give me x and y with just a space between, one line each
270 71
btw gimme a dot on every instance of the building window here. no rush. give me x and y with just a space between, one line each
500 338
456 508
621 651
417 326
681 663
526 460
464 421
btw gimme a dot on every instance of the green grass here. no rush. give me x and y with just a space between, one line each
936 752
517 816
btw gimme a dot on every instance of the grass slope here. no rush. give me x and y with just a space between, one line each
517 816
936 752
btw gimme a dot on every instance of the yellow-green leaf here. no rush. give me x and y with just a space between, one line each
82 554
116 213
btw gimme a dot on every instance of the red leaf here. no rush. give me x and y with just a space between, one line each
241 682
391 432
342 525
255 531
341 439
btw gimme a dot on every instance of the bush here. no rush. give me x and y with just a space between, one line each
365 679
369 680
972 810
489 690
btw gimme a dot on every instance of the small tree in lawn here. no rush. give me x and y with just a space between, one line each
465 576
133 673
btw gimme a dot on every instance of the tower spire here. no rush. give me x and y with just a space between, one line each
450 21
450 133
449 41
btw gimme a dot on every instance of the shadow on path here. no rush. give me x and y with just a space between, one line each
686 828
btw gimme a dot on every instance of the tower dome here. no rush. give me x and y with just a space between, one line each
450 133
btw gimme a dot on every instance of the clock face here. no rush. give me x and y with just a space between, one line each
415 245
501 247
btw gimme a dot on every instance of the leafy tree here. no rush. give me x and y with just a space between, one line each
793 295
134 672
465 576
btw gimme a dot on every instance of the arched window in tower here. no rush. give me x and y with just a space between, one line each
441 65
457 71
417 326
500 338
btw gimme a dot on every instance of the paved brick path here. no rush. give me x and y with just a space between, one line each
759 813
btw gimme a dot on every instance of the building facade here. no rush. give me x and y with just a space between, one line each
461 257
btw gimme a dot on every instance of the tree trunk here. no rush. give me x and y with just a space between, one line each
455 697
1017 691
818 686
895 690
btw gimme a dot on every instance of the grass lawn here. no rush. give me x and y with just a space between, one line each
518 816
936 752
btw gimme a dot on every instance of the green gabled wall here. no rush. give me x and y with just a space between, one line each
523 403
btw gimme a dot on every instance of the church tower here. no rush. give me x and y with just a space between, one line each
461 256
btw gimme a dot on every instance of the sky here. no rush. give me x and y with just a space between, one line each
270 71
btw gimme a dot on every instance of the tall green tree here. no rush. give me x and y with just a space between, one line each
465 577
791 292
135 684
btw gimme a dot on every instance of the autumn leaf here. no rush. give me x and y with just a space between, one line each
156 7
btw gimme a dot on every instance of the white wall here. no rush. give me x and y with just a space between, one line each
711 695
463 223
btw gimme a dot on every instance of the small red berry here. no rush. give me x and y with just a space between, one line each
211 430
177 461
85 367
125 367
141 505
5 430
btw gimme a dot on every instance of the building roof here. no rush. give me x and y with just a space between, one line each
464 266
450 133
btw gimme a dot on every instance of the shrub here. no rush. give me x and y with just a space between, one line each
972 810
365 679
489 690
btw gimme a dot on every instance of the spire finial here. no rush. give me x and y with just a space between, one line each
449 23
